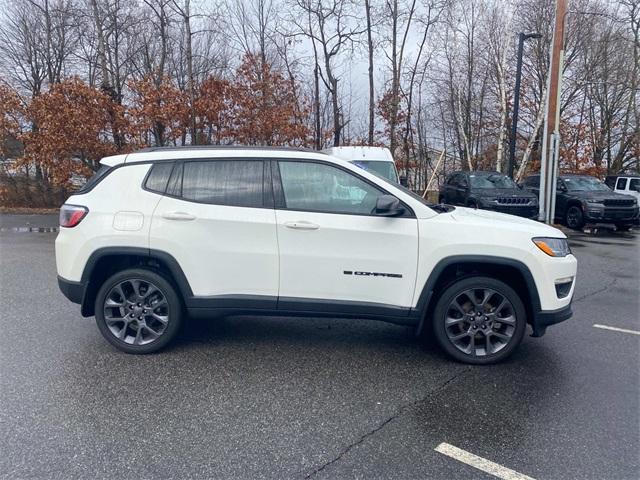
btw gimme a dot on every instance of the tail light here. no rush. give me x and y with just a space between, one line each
72 215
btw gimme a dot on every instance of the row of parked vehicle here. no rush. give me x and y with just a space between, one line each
580 199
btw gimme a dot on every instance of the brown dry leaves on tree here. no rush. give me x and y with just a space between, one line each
159 108
267 112
74 125
215 107
11 110
71 130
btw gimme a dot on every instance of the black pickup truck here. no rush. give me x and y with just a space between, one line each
489 191
581 199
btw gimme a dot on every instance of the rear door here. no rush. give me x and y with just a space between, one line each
334 252
217 221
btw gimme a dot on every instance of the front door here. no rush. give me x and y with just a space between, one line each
333 250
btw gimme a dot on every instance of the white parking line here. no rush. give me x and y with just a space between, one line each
480 463
616 329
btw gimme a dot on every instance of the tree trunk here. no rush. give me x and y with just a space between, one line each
371 90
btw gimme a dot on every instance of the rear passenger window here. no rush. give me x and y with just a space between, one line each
158 177
224 182
622 184
174 188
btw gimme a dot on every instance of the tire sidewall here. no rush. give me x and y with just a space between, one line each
452 291
169 291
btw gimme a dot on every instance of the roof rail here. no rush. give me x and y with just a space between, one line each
222 147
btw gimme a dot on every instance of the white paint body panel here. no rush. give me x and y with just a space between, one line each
627 188
118 192
224 250
313 262
467 231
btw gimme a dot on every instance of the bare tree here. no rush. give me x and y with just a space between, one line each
333 28
370 50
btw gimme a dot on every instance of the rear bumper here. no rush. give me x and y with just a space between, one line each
74 291
545 318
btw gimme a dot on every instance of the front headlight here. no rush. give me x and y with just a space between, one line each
554 247
593 200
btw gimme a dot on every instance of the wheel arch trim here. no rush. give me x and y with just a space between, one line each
426 298
165 258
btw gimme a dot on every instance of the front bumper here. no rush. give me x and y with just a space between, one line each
74 291
542 319
621 215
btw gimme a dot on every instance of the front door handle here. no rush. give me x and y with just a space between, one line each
180 216
301 225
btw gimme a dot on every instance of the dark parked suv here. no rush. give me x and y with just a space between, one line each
581 199
489 191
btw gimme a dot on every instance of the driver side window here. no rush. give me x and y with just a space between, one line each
324 188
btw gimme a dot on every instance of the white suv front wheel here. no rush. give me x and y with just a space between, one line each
138 311
479 320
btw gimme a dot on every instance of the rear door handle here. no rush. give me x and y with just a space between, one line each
301 225
180 216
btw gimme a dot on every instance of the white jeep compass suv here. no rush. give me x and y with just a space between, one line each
166 232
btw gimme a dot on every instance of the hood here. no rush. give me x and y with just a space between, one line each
494 220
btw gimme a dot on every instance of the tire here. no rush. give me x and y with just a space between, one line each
574 218
143 313
462 333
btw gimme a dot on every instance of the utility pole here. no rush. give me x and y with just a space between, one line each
551 137
516 100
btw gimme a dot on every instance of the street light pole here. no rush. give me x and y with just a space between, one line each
551 135
516 100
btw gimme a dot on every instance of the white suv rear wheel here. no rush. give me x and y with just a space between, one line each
138 311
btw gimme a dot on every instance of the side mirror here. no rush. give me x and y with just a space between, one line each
404 181
388 206
464 184
562 188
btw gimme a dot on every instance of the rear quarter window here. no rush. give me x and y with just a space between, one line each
102 172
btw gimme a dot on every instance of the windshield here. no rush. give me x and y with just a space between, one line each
384 169
585 183
492 181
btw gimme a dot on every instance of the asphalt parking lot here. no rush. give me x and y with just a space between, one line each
253 397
